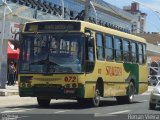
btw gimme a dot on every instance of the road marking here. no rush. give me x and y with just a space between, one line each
119 112
102 115
13 111
61 111
22 117
110 114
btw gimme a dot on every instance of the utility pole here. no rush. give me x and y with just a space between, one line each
3 50
2 80
94 10
62 1
87 9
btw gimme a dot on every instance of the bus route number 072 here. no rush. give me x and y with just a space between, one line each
70 79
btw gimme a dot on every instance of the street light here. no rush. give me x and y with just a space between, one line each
94 10
87 9
62 9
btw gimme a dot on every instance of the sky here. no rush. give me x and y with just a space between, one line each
147 6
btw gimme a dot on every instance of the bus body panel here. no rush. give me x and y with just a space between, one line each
29 84
115 75
143 78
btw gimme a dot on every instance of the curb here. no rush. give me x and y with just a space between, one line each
8 93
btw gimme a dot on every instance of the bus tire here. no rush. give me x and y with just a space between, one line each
43 102
95 101
152 106
130 96
129 99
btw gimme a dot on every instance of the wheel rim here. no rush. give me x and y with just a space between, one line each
96 98
131 93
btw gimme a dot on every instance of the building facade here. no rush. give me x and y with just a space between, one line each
105 14
138 25
153 52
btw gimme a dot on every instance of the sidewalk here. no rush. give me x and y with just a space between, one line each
10 90
13 90
150 88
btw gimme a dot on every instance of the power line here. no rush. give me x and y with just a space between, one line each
154 10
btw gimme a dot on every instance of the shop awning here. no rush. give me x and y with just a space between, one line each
12 53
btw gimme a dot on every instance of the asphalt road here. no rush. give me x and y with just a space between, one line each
14 107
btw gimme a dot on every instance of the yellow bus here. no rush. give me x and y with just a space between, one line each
80 60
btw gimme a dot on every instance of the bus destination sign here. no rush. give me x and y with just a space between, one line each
52 26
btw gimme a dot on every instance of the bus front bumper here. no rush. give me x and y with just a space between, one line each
55 93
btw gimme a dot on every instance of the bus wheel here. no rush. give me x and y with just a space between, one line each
130 96
96 99
43 102
152 106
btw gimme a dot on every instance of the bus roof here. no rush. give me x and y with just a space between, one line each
113 32
99 28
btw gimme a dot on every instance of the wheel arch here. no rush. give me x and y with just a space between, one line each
100 85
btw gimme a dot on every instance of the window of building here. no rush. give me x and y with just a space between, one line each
109 51
118 49
99 42
126 51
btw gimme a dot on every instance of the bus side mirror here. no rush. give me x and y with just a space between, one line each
87 34
89 38
17 39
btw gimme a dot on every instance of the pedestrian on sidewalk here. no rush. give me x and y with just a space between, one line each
11 73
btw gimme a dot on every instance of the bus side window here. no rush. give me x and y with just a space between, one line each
118 49
90 56
140 53
134 57
144 54
99 42
126 50
109 49
89 49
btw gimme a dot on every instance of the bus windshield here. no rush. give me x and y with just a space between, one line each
51 53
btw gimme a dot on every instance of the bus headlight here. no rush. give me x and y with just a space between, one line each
74 85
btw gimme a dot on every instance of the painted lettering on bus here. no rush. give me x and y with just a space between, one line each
113 71
70 79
